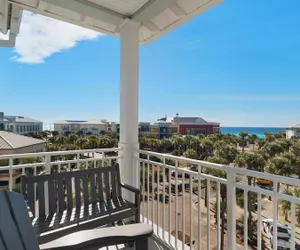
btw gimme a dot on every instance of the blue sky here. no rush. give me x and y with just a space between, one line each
237 64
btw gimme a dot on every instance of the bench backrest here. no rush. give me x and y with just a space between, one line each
16 231
71 189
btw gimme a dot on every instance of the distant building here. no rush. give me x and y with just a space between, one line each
87 127
293 131
11 143
2 121
20 124
167 126
195 125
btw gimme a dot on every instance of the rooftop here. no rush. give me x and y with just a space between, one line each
295 126
13 141
11 118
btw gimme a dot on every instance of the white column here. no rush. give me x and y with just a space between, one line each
129 88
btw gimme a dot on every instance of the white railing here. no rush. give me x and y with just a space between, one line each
58 161
183 209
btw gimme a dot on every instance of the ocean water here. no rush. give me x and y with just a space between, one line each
259 131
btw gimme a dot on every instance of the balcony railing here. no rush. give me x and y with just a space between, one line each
181 203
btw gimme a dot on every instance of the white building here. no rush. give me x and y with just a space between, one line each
11 143
22 125
87 127
293 131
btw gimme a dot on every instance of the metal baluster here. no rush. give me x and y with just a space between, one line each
259 222
245 219
191 212
199 208
170 203
275 215
176 204
152 166
164 197
143 190
183 210
293 227
158 203
148 186
218 216
208 214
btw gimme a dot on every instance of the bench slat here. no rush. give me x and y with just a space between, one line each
52 200
41 198
77 191
114 182
100 187
61 194
69 193
30 196
107 185
93 187
118 178
85 190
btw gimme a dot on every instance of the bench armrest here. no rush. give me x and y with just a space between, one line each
130 188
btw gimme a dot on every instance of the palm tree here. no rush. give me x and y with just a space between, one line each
72 138
208 146
190 153
243 135
281 166
251 161
223 193
286 205
55 133
81 142
177 141
166 143
61 140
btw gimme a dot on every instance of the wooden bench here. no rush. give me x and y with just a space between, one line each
16 231
78 200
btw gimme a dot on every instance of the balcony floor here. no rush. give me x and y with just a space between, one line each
153 245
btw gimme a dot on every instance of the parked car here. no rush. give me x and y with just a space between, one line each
179 174
283 234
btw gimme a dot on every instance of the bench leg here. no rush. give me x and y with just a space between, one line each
141 243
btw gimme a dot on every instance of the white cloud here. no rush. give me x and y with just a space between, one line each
40 37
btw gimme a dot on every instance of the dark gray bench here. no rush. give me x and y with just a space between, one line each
16 232
78 200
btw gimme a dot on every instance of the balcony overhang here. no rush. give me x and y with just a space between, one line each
155 17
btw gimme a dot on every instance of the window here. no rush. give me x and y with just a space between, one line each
27 127
18 129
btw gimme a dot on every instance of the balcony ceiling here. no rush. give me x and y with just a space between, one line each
156 17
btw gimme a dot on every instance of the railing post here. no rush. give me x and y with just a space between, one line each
11 172
47 171
231 210
48 164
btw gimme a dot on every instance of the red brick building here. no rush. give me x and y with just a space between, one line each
195 125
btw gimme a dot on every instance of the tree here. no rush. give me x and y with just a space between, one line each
166 143
243 135
251 161
252 228
55 133
190 153
281 166
223 193
286 205
82 142
72 138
